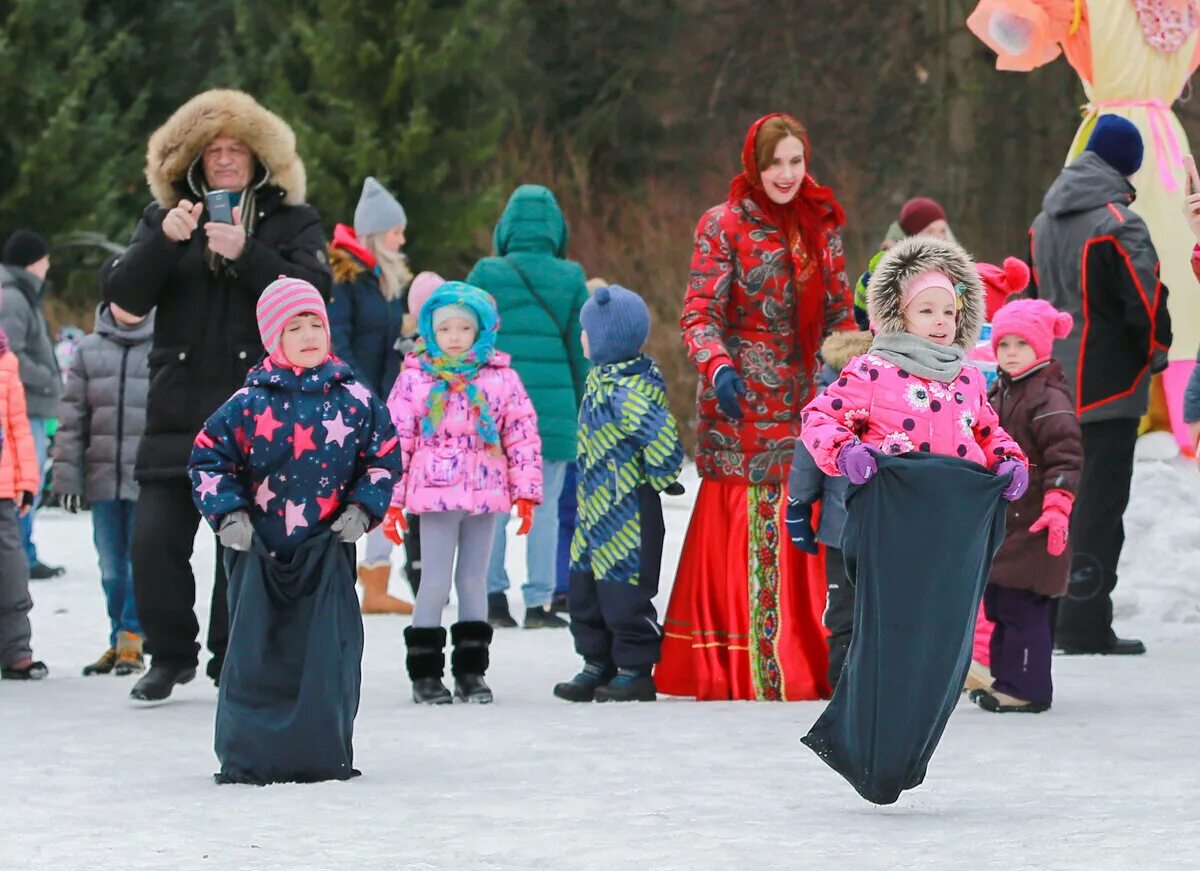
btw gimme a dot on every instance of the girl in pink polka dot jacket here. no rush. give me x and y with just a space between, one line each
911 391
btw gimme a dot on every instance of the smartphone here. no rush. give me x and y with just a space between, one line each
218 206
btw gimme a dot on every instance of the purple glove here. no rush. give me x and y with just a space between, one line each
1020 478
857 462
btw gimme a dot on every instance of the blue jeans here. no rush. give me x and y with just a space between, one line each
112 530
41 445
541 549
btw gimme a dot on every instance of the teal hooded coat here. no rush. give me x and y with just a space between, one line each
539 314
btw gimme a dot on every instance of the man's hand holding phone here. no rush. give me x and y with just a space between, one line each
181 222
228 240
1191 202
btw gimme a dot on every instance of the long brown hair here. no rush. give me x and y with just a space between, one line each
773 131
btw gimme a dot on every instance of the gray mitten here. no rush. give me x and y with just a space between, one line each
351 524
236 532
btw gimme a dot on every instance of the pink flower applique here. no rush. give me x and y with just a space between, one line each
897 443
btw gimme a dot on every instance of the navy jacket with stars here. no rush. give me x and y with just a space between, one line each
292 448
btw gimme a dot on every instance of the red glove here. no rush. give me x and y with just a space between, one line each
394 525
525 512
1056 519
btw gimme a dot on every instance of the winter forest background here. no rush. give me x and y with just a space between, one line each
632 111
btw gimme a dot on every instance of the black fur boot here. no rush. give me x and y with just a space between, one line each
469 661
426 663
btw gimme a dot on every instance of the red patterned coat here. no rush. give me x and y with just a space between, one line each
741 310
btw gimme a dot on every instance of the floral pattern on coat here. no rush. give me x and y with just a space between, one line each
453 470
740 310
882 405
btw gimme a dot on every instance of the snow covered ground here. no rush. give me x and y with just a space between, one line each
1109 779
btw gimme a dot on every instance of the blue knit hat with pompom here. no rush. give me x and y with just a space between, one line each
617 323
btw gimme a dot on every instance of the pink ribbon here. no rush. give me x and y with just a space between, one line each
1166 143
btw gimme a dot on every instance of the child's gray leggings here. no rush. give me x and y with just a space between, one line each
443 534
14 587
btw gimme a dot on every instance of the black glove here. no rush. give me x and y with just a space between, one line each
674 489
799 526
730 388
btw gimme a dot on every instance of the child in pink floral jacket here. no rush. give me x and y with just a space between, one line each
471 450
911 391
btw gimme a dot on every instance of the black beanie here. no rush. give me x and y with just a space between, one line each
25 247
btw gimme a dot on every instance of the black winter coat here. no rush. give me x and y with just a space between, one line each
206 330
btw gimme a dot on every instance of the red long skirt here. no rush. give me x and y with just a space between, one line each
744 621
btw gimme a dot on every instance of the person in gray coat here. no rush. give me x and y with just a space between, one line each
1092 257
101 420
26 261
808 484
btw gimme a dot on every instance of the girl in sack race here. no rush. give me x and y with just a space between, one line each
917 594
470 449
291 471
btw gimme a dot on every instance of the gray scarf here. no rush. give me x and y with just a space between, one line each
920 357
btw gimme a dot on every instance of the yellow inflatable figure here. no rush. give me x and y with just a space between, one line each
1134 58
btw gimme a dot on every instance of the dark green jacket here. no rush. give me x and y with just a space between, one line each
541 337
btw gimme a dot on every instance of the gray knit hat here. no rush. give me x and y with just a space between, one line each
377 210
617 324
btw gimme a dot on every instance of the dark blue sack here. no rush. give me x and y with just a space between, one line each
293 671
919 542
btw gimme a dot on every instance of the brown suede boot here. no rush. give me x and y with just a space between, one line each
375 600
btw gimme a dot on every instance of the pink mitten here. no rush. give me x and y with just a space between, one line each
1055 519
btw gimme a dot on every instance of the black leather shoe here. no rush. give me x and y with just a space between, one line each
156 684
1108 647
39 571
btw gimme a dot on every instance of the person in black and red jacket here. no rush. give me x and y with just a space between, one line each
1092 257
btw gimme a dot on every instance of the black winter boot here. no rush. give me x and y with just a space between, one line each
426 663
582 688
469 661
156 684
499 616
630 685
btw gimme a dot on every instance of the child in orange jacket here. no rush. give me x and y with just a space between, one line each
18 484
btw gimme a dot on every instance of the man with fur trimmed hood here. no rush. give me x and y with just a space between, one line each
205 278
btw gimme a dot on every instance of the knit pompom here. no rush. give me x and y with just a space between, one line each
602 296
1063 322
1016 274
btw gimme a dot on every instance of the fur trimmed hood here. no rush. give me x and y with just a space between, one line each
175 146
840 347
908 259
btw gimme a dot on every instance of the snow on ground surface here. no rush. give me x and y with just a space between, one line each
1110 778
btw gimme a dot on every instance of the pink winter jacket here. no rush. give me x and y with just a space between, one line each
453 470
895 412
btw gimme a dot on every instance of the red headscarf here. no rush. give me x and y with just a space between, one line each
802 222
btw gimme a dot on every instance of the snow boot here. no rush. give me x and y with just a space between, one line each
582 688
630 685
426 662
1002 703
129 654
559 604
543 618
498 614
1112 646
979 677
156 684
375 600
103 665
469 661
35 670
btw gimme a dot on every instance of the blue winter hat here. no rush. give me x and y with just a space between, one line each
617 323
1117 141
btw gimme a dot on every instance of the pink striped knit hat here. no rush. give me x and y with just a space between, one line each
281 301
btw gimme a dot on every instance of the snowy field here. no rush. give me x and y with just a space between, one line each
1110 778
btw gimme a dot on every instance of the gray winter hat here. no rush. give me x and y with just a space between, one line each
377 210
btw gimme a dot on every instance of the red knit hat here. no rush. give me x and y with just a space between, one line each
1035 321
999 283
918 213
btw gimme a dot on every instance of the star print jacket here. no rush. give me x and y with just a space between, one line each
452 470
889 409
293 448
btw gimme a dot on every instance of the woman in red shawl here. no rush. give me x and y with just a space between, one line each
767 284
